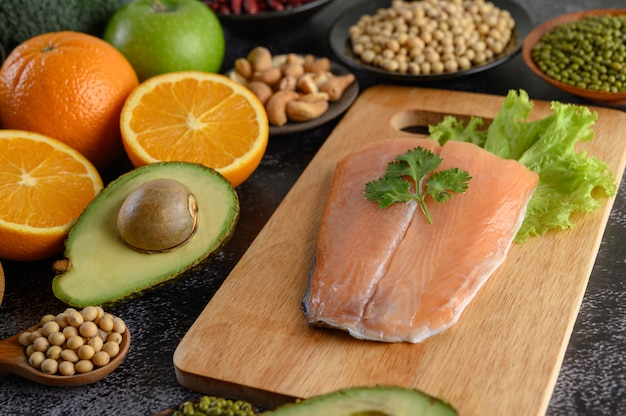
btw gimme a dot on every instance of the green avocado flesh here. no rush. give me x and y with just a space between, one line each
104 270
368 401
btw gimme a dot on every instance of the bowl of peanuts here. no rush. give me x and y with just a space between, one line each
428 40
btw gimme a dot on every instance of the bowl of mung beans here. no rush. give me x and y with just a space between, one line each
582 53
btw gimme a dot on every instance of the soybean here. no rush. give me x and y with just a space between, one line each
49 366
83 366
101 358
66 368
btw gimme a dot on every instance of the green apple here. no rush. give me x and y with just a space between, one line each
159 36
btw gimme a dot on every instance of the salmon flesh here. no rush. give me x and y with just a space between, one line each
386 274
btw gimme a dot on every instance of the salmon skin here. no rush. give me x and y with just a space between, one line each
386 274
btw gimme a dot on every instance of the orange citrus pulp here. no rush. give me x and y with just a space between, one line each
44 187
196 117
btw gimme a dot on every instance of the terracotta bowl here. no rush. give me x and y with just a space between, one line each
533 37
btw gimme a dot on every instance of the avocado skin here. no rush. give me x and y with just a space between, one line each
363 401
23 19
105 260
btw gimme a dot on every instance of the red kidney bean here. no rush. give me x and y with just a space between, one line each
252 6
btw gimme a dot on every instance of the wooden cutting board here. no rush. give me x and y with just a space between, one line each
502 356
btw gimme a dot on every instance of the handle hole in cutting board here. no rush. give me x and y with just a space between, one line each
417 121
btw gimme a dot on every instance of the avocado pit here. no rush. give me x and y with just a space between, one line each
158 216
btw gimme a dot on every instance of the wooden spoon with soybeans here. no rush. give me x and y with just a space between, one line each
14 359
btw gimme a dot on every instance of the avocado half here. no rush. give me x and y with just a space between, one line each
373 401
100 269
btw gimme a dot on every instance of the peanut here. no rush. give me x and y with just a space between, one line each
244 67
260 58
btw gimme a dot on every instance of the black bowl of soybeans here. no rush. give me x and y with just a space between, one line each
582 53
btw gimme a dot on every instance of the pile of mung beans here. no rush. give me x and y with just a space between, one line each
432 36
589 53
215 406
73 341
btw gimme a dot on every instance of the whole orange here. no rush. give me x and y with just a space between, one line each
70 86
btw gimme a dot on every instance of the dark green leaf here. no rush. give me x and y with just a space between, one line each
388 190
442 184
415 163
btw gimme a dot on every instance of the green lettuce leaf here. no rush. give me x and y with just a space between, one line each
569 181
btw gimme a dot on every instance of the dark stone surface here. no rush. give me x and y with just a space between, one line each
592 380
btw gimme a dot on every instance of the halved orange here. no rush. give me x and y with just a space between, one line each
44 187
197 117
1 283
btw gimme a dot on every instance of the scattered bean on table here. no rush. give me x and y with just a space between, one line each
215 406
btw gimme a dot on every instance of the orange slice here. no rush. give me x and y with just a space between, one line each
196 117
44 186
1 283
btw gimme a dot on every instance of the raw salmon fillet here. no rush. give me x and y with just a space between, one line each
386 274
351 259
